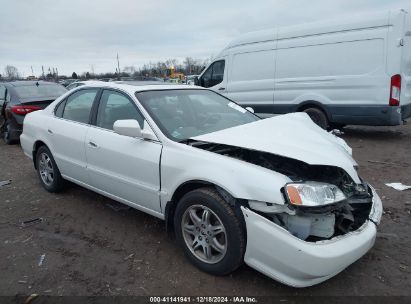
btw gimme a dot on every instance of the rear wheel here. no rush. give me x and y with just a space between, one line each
209 231
7 134
47 170
318 117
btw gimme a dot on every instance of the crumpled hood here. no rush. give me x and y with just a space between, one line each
291 135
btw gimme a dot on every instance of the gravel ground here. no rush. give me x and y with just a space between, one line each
90 247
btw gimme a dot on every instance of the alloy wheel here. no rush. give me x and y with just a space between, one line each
204 234
46 169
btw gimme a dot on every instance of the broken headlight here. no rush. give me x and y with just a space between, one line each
312 194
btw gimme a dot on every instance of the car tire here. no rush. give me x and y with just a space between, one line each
6 134
47 170
222 233
318 117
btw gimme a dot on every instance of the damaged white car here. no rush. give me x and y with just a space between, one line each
280 194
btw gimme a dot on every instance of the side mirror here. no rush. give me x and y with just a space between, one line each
250 109
196 81
127 127
131 128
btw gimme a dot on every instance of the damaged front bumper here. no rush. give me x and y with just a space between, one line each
278 254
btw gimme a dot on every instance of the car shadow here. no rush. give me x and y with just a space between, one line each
376 133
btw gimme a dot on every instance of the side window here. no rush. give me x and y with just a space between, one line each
60 108
214 74
218 72
78 105
116 106
206 78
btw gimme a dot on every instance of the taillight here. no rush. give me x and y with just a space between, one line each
23 110
395 91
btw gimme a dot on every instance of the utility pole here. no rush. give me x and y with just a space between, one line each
118 66
32 73
42 69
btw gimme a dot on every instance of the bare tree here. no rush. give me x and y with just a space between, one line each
189 64
129 70
11 72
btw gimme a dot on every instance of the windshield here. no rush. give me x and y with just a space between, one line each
182 114
40 91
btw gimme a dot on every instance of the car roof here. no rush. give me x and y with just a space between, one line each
22 83
132 88
140 82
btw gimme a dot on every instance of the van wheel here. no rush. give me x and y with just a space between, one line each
212 236
318 116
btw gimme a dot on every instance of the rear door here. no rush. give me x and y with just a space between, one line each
67 133
125 167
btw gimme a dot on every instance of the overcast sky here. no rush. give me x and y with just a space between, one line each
72 35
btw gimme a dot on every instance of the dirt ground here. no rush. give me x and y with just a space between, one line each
89 247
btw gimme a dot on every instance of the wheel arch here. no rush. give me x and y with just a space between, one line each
186 187
313 104
37 144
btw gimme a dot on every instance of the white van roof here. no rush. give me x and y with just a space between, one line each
363 21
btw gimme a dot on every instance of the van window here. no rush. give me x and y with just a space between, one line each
344 58
253 66
214 74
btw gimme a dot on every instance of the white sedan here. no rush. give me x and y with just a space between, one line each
280 194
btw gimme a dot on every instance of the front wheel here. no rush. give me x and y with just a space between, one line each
210 233
48 171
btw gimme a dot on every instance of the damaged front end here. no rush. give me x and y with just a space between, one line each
321 202
324 217
314 223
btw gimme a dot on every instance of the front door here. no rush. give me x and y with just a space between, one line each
125 167
215 77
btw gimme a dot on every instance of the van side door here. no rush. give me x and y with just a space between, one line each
251 76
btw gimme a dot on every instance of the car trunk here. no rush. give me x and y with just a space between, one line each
39 102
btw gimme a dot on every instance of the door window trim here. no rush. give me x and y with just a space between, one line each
67 97
93 120
212 72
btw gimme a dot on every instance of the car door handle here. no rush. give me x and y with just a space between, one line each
221 89
91 144
48 130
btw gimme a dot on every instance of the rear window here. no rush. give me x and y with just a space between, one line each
40 91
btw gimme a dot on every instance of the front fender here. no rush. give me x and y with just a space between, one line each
242 180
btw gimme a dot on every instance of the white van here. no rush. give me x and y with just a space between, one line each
350 71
